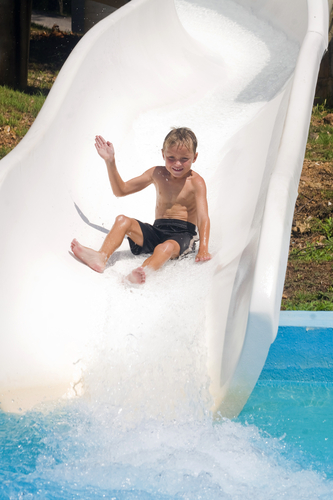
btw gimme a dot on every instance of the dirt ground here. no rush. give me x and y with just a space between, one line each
315 201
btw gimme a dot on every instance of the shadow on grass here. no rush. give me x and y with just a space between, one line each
51 49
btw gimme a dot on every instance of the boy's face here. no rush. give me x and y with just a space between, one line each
178 160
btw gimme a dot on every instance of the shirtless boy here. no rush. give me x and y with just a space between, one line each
181 205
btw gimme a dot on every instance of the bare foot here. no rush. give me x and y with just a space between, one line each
95 260
137 276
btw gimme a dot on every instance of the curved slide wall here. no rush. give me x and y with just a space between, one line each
133 76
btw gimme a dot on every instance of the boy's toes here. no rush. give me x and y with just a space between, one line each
137 276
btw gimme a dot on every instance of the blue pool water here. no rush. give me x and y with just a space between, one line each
300 413
293 398
279 447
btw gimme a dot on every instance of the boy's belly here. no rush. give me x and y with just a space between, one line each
176 212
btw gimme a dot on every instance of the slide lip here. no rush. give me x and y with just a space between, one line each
273 245
264 315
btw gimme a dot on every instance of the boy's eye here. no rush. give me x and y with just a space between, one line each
183 160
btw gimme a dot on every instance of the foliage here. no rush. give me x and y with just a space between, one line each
310 302
18 111
324 227
14 103
320 139
313 252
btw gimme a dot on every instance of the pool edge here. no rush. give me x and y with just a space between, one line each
315 319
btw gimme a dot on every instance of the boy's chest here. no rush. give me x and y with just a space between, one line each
175 193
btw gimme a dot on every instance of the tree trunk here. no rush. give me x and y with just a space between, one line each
15 19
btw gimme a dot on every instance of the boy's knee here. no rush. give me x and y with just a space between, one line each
122 220
171 248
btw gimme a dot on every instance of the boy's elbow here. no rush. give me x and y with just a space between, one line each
119 193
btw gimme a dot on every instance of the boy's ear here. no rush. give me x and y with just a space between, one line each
163 154
195 157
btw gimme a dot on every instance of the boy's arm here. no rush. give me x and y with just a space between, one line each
203 221
119 187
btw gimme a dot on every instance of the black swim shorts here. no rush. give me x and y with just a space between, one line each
165 229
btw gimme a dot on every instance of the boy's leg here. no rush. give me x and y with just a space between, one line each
123 226
170 249
165 251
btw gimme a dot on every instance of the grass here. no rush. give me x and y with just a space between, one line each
309 275
309 287
13 103
321 250
313 252
303 301
4 150
40 28
40 80
18 111
320 140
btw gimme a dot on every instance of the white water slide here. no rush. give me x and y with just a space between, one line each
242 75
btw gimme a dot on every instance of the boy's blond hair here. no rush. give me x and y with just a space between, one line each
181 137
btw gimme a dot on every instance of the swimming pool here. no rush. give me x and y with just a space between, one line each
279 447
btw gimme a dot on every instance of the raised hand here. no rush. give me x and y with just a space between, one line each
104 148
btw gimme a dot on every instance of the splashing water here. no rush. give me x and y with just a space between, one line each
73 453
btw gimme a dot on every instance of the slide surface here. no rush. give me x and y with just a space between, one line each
242 75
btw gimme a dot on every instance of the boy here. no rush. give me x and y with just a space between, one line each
181 204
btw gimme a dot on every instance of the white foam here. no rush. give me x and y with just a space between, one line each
151 358
175 461
136 342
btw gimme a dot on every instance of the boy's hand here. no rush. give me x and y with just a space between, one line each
104 148
202 256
